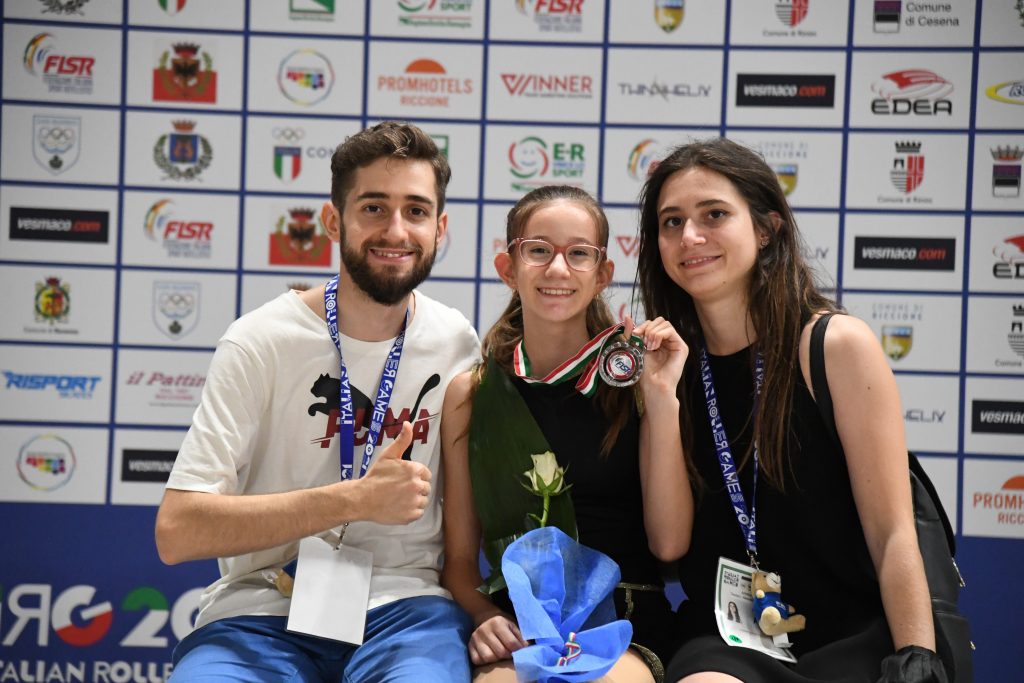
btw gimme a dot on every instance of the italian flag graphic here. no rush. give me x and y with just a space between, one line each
172 6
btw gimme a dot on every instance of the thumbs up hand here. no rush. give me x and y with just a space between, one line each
395 491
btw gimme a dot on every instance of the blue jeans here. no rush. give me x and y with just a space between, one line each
416 640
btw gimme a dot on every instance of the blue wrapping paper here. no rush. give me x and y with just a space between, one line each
562 595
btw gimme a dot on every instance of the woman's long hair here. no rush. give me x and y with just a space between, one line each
501 340
781 296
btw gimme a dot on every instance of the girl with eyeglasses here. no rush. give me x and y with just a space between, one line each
624 464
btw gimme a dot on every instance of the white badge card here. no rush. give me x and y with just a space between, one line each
734 611
332 591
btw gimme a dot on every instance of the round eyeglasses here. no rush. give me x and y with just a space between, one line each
537 252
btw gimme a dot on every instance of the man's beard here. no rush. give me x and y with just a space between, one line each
384 286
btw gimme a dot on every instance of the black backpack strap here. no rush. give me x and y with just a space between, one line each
823 397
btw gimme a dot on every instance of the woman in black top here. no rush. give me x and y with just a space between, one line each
629 486
720 258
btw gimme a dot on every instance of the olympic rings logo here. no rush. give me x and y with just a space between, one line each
288 134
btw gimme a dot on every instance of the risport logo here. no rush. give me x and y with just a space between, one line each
46 462
56 141
912 91
1006 166
997 417
792 12
183 154
172 7
643 159
311 10
887 16
561 86
188 76
176 307
1009 263
181 238
904 253
82 616
436 13
1008 92
554 16
425 83
786 90
305 76
60 73
299 239
63 225
668 14
907 172
52 301
1007 502
897 340
66 386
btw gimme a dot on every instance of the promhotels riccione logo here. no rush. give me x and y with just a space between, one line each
425 83
574 86
1007 502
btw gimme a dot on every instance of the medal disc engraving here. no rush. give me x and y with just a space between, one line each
621 364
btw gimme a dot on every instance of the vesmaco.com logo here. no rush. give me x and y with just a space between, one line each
82 616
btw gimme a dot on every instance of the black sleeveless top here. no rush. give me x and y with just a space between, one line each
606 489
810 534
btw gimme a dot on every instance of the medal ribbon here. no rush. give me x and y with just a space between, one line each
747 522
388 377
586 359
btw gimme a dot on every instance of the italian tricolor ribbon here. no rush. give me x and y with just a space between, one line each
584 363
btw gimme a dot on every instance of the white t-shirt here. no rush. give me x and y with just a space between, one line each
264 425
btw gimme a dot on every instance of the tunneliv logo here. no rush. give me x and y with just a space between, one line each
52 302
436 13
46 462
305 76
183 154
63 6
785 90
533 163
997 416
1006 167
188 76
897 340
644 158
56 141
61 73
176 307
668 14
59 225
907 172
792 12
287 152
887 16
912 91
299 239
904 253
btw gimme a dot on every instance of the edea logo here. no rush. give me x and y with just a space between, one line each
912 91
46 462
1006 167
81 617
1008 92
554 16
182 155
786 90
63 225
668 15
436 13
425 83
305 76
181 238
643 159
1009 255
532 164
60 73
300 239
188 76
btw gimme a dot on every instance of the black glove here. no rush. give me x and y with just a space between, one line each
913 664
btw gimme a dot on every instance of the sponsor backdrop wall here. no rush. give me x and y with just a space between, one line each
163 162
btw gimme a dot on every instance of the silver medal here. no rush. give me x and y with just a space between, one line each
621 363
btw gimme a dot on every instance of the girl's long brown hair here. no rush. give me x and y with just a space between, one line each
781 296
501 339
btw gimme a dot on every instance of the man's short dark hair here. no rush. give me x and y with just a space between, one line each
387 139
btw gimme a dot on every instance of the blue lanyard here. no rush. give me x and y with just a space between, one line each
385 388
747 522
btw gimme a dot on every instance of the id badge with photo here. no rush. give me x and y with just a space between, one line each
332 591
734 612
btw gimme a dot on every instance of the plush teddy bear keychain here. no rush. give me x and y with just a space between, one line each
771 614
